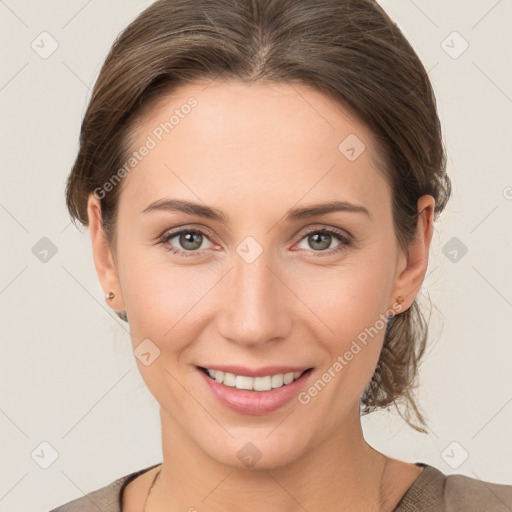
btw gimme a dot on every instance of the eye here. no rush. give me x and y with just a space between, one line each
321 239
190 241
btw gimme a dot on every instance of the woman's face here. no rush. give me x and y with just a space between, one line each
256 280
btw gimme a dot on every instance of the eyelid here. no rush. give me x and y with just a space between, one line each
313 229
203 229
171 232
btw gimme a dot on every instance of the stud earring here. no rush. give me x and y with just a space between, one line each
109 295
399 300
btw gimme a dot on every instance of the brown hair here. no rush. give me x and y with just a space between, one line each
349 50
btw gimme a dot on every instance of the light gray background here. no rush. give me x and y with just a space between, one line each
68 376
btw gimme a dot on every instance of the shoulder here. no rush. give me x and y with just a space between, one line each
106 499
476 494
433 491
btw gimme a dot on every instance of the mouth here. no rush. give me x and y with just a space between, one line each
258 383
262 393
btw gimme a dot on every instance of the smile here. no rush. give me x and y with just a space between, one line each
265 383
264 392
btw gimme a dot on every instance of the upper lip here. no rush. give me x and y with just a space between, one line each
255 372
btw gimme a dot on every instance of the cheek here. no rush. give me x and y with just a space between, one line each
349 298
158 292
165 301
350 303
164 305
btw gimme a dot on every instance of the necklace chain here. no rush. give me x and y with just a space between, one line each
152 485
158 474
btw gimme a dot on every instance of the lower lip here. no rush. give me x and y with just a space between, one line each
255 402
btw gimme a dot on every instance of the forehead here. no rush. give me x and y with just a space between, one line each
253 139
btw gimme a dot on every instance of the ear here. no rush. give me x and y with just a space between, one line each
412 267
102 254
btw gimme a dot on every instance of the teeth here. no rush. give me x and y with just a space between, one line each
253 383
242 382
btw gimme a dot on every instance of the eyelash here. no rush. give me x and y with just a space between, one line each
344 240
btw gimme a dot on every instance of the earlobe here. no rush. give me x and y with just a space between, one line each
410 279
102 255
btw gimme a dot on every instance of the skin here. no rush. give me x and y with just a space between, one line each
255 151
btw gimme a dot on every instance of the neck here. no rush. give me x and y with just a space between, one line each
341 473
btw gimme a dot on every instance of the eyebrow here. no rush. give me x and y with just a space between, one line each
295 214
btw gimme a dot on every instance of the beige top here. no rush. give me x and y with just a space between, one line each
432 491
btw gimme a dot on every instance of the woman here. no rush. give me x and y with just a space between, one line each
260 179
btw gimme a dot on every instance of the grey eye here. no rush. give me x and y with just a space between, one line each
319 241
190 240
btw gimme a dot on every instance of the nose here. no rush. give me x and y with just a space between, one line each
256 305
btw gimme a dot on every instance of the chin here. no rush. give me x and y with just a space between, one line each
256 448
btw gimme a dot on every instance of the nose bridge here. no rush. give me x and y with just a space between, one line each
254 309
